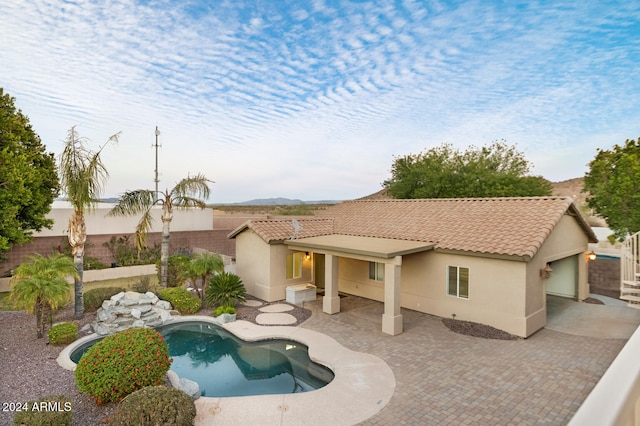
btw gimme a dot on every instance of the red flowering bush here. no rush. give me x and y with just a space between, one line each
122 363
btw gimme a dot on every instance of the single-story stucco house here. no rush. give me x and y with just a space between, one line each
485 260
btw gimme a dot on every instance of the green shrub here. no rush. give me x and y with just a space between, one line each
49 411
143 285
223 309
93 298
63 333
123 363
155 405
225 289
176 265
93 263
125 254
181 299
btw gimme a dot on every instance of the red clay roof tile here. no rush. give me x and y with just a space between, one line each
507 226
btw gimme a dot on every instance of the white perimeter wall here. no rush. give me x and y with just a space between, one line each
99 223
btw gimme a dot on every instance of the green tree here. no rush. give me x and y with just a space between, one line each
613 184
497 170
83 176
40 285
191 191
28 178
200 269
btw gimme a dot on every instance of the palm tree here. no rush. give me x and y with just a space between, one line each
191 191
200 269
41 285
82 179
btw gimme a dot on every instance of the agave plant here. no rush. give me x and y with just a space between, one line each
225 289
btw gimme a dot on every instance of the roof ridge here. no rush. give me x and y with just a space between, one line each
416 200
278 219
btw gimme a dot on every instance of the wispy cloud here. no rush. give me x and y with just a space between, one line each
313 99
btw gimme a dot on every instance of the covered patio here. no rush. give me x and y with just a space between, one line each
385 251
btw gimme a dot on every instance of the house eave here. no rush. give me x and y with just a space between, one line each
500 256
384 248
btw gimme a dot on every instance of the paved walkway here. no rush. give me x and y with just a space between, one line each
444 378
613 320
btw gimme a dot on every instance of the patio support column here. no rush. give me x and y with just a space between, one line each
392 318
331 300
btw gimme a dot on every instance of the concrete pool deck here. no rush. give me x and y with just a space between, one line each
363 381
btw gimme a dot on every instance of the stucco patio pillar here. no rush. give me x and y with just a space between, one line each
331 300
392 318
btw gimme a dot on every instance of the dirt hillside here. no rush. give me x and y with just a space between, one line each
571 188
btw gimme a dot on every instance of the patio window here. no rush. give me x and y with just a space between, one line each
376 271
458 281
294 265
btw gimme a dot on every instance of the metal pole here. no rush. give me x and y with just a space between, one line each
156 171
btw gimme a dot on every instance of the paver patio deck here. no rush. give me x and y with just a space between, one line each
444 378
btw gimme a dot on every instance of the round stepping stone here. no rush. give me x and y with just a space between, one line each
252 303
275 319
278 307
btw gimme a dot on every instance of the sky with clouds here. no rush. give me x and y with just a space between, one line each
313 99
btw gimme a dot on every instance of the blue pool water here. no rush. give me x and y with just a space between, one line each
605 256
224 365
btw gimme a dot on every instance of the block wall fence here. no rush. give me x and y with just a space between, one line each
212 240
604 274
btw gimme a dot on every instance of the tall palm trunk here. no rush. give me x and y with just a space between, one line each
77 238
78 260
167 216
39 311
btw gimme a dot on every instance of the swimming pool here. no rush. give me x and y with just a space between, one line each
224 365
363 381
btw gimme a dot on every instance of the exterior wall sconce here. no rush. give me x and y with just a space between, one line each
307 255
591 256
546 272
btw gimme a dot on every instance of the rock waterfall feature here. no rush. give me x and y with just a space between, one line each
131 309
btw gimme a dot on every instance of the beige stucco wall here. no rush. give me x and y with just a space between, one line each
262 267
496 291
98 223
278 272
353 278
566 240
253 260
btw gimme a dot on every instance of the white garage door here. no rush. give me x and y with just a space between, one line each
564 277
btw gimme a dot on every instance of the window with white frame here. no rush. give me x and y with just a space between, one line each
376 271
294 265
458 281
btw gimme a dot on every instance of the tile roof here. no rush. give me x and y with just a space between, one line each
514 226
273 230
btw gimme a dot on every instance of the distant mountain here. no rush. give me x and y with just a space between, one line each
278 202
110 200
